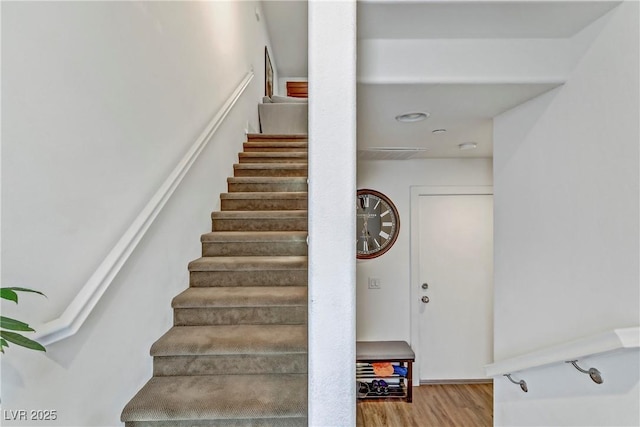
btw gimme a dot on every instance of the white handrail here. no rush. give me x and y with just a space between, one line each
79 309
615 339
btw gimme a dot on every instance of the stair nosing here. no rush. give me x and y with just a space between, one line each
279 214
291 154
270 165
250 263
218 343
254 236
265 195
285 296
269 179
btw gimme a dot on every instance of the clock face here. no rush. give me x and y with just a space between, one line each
377 224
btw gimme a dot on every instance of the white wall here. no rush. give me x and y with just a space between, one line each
332 178
385 313
100 101
566 231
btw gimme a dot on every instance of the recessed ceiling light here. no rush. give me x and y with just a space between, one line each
436 131
467 146
412 117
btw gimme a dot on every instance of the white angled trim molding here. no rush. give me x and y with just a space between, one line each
616 339
79 309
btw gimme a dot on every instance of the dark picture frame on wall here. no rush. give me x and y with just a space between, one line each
268 74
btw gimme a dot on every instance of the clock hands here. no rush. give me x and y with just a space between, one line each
366 235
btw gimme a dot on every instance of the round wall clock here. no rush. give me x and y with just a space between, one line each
377 224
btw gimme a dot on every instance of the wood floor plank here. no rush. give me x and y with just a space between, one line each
436 405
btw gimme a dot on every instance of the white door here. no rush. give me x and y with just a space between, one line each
455 245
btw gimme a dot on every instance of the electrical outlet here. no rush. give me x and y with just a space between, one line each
374 283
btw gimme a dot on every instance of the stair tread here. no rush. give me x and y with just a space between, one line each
260 214
263 296
276 136
283 154
254 236
284 144
241 184
270 166
245 263
231 339
266 179
219 397
265 195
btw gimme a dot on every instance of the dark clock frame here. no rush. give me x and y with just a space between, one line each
394 211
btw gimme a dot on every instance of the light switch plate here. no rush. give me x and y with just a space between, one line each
374 283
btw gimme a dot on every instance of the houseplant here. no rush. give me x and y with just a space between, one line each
10 328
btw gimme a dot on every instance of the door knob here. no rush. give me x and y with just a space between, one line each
425 299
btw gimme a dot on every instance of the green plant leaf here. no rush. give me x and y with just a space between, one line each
14 325
6 336
11 293
21 340
25 290
6 293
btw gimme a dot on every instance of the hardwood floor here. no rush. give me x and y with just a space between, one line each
441 405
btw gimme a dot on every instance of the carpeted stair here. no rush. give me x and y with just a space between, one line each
237 353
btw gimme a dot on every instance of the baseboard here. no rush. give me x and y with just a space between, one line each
458 381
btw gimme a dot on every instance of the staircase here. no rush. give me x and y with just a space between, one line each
237 353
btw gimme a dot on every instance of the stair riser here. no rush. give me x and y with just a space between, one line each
254 248
263 204
249 278
248 422
286 315
293 172
236 364
255 137
280 224
272 159
271 187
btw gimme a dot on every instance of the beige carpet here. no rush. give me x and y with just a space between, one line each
237 353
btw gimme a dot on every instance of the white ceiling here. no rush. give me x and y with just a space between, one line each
379 19
465 110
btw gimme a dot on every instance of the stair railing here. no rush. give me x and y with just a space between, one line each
569 352
70 321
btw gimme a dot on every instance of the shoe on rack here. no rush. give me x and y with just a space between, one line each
375 387
363 389
383 387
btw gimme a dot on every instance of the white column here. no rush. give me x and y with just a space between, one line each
332 176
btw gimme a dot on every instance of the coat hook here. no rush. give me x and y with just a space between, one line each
595 375
521 383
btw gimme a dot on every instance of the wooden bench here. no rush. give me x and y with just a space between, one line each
396 352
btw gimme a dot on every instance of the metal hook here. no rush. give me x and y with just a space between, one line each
595 375
521 383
